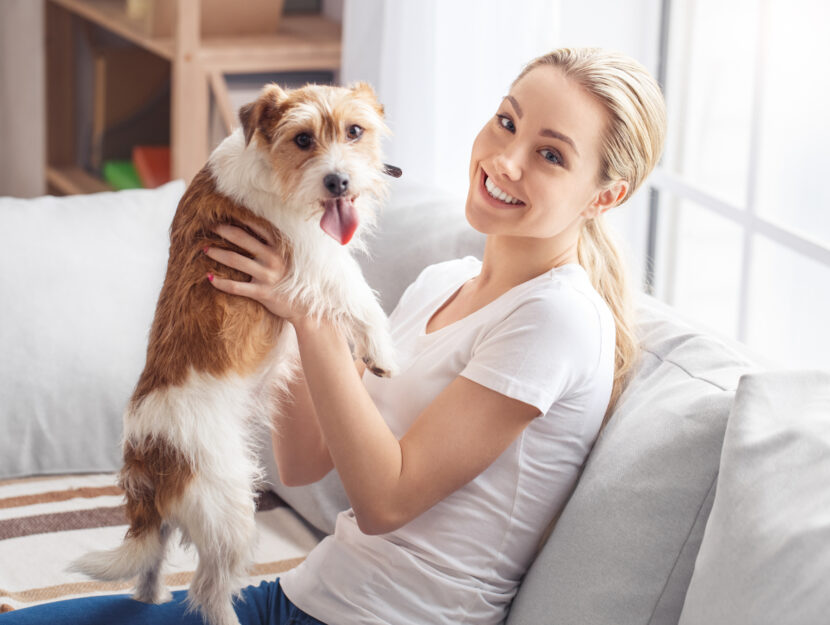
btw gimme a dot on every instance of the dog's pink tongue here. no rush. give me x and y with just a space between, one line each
340 219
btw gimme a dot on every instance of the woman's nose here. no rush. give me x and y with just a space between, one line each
508 164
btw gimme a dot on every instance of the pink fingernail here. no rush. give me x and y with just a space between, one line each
205 250
210 277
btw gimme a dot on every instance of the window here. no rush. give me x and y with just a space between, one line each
740 203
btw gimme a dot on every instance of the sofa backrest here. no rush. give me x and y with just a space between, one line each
624 547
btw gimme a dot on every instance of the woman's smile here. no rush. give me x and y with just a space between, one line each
495 196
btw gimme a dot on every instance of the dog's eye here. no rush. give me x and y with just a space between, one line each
355 131
303 140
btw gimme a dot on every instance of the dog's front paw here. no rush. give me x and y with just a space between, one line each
381 371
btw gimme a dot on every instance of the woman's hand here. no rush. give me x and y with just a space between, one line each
267 268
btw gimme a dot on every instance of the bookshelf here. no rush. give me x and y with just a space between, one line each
198 67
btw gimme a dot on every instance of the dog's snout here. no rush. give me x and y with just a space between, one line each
336 184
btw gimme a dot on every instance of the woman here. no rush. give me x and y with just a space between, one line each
509 368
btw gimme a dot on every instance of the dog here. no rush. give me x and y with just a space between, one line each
306 167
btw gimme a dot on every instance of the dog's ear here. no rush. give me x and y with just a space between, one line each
263 113
364 90
248 125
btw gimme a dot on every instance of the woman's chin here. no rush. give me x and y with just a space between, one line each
481 220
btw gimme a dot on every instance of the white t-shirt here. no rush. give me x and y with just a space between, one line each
548 342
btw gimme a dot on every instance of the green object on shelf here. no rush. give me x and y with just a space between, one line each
121 175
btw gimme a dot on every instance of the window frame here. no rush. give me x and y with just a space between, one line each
662 234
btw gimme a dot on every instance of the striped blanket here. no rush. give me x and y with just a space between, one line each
46 522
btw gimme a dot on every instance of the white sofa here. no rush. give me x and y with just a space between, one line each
704 501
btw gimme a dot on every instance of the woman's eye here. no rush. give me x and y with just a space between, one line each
355 131
506 123
551 156
303 140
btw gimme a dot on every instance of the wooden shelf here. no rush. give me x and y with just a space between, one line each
112 15
71 180
303 41
199 64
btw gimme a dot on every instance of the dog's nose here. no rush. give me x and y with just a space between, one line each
336 184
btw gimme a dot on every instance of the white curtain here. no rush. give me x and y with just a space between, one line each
440 68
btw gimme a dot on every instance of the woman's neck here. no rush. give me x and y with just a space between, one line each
509 261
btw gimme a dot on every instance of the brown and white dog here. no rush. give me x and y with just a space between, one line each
306 167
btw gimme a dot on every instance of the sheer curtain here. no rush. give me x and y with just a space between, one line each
441 68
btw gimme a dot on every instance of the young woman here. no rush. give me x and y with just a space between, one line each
509 367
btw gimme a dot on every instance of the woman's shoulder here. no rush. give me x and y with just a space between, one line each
434 279
563 307
453 267
563 292
443 274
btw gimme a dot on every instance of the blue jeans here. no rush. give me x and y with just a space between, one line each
265 604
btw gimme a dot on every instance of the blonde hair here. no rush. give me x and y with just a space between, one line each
632 144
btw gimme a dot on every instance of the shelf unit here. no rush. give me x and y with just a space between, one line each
198 69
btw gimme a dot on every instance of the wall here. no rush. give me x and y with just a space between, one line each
22 96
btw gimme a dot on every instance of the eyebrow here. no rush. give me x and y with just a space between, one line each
545 132
515 104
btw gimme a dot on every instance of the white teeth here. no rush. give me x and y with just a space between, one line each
497 193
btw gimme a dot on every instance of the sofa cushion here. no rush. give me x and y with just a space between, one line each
623 549
764 557
80 279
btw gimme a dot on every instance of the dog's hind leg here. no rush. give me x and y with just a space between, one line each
220 524
150 587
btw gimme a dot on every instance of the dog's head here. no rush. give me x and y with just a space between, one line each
323 144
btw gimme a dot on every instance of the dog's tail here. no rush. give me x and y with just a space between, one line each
136 555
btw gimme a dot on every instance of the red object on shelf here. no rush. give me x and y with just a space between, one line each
152 162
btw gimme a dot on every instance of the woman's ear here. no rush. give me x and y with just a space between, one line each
606 198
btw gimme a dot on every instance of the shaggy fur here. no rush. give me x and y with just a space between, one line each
217 364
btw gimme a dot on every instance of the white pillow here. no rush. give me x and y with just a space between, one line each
79 282
765 555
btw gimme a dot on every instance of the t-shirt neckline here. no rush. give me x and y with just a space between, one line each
452 292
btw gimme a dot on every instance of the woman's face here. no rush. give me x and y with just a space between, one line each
534 165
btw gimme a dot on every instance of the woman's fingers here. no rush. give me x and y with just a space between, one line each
232 287
236 261
242 239
264 234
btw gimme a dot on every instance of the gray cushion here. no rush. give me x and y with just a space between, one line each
623 550
765 558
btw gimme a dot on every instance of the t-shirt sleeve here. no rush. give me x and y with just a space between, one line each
542 350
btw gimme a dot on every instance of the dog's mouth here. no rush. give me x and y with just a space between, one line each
339 219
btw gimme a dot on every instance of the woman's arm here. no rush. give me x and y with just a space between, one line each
388 482
300 450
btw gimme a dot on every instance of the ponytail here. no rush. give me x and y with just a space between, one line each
605 266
